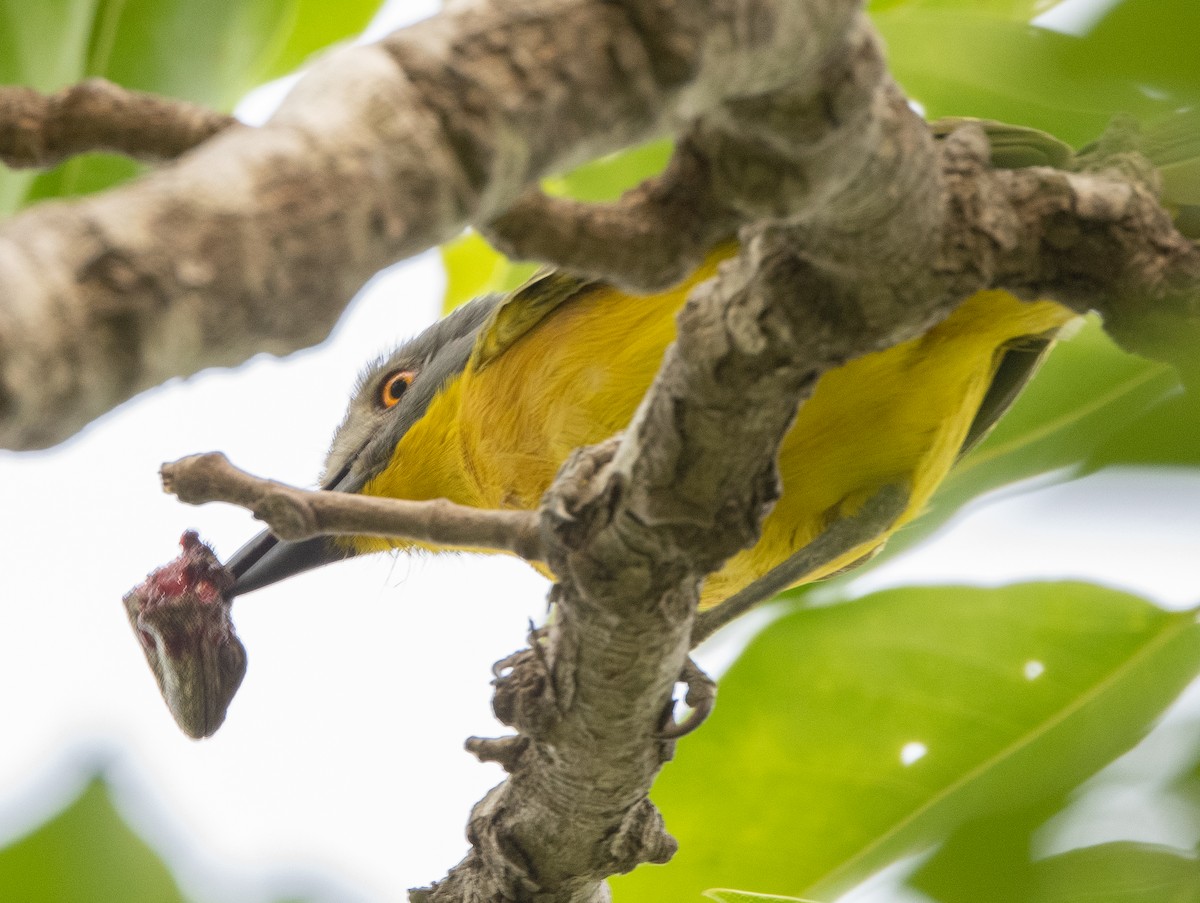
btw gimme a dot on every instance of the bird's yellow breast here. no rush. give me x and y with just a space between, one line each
497 436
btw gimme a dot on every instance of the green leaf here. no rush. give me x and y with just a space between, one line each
474 268
723 895
44 46
1150 44
84 854
1012 146
208 51
1181 182
1085 390
992 864
849 735
312 25
607 178
1118 873
1187 220
986 860
963 62
1014 10
1164 435
212 52
82 175
1172 144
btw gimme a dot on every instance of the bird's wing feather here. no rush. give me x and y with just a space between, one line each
1012 146
523 310
844 535
1019 361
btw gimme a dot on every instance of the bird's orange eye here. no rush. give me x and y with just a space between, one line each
393 387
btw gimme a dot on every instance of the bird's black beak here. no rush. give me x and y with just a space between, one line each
265 560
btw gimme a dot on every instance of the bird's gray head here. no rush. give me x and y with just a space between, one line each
394 392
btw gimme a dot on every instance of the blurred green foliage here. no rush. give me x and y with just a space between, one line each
208 51
474 268
724 895
990 862
848 736
987 59
85 854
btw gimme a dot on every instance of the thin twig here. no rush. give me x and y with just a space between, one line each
40 130
649 239
295 514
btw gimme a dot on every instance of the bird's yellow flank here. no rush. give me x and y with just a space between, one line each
495 436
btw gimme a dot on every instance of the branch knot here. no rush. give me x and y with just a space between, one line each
642 837
505 751
525 696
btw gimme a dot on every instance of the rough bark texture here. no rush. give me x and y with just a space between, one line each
96 115
380 152
858 230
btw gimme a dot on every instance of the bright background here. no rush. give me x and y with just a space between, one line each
340 772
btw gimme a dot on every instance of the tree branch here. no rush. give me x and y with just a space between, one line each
857 232
636 524
257 240
96 115
1101 241
296 514
653 237
778 156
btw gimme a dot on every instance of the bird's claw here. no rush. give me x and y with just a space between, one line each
701 697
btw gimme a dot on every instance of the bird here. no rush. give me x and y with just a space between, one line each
484 406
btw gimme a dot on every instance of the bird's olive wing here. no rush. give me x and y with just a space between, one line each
524 309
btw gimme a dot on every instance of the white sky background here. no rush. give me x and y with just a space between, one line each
342 754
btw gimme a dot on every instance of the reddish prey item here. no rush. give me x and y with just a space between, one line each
180 615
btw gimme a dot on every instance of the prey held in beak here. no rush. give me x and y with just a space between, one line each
180 615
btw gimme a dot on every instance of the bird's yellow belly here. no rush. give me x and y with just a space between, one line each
898 416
